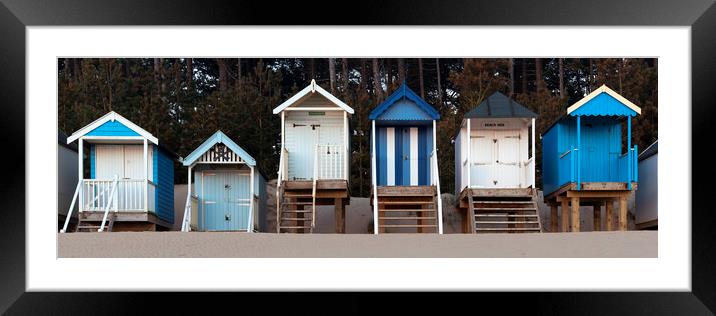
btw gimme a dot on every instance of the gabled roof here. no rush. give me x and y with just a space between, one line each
499 105
310 89
404 93
112 117
604 101
218 137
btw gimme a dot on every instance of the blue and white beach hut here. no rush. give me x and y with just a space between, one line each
131 183
404 165
228 192
585 157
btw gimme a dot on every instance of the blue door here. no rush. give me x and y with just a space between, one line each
402 156
225 200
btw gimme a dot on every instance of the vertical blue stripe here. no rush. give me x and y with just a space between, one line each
399 153
382 158
423 156
155 177
92 161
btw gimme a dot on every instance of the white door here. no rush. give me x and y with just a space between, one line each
507 167
109 161
305 136
483 160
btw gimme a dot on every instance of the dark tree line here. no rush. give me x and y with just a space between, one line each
182 101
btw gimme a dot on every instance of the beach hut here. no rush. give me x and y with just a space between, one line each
314 161
66 180
404 167
228 192
646 215
586 160
131 178
495 167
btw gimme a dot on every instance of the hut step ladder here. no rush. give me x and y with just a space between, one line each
296 212
91 225
408 211
495 214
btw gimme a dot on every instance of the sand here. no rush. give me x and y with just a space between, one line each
270 245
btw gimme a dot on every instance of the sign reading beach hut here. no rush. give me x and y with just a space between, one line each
495 167
588 161
229 193
314 162
131 183
405 179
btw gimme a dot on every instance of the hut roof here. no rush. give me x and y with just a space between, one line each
404 93
499 105
603 101
218 137
309 90
110 118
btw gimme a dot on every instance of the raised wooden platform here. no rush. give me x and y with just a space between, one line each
520 193
129 221
407 209
595 194
296 214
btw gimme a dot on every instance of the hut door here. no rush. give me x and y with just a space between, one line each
305 136
482 147
507 168
225 200
410 160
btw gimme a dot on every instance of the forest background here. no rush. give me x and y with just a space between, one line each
182 101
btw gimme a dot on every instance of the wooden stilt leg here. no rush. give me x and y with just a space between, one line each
610 215
553 217
340 216
622 213
575 214
565 215
597 217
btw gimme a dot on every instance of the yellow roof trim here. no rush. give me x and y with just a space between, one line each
608 91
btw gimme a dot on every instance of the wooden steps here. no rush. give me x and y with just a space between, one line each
407 209
93 226
508 213
296 211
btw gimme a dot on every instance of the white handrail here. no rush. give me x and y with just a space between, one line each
313 195
436 182
185 227
281 167
72 206
110 202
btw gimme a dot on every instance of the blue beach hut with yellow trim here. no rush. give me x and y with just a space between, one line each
586 158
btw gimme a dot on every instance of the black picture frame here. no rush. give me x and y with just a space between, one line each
15 15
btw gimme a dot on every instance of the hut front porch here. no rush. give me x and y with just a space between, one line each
127 221
296 197
570 197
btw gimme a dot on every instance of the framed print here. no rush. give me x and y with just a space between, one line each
467 146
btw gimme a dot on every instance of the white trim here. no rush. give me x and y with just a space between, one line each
146 177
390 155
80 173
413 156
374 179
469 153
250 227
314 108
312 88
437 180
608 91
113 137
346 143
112 116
